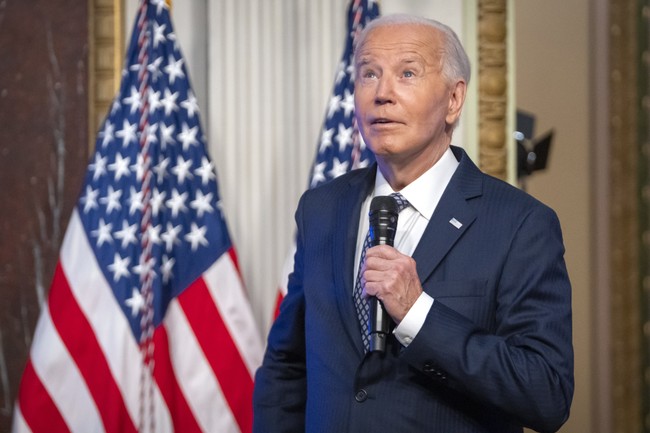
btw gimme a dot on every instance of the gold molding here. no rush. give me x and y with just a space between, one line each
625 307
493 87
106 42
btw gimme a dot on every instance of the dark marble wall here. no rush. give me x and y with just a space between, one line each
44 148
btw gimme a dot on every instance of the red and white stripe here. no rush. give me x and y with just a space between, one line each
85 367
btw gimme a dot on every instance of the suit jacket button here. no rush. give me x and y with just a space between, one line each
361 395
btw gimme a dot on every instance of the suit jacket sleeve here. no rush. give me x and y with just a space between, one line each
524 365
280 383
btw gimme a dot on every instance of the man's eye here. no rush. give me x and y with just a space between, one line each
408 74
369 74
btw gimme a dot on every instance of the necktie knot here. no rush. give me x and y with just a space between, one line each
402 203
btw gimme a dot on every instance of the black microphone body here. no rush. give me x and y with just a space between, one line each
383 225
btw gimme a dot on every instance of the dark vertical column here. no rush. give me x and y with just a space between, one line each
43 155
643 106
626 324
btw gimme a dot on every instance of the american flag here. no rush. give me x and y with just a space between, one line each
340 146
147 325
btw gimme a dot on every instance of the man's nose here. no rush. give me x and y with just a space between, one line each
385 92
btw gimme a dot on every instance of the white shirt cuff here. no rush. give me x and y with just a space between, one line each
409 327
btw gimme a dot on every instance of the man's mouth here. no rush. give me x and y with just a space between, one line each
381 120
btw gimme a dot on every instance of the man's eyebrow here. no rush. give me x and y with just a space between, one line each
407 59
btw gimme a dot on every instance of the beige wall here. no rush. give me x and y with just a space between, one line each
553 82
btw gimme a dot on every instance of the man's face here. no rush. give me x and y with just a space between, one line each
404 107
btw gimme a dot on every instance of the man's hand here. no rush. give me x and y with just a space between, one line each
392 277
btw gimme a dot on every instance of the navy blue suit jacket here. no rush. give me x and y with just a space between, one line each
495 351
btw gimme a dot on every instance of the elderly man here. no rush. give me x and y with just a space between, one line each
475 286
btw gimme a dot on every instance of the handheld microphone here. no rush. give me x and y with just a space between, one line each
383 224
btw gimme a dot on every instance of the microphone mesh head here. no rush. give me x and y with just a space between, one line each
383 220
384 202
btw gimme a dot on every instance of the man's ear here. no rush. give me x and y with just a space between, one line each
456 101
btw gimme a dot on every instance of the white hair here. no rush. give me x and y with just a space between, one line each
454 60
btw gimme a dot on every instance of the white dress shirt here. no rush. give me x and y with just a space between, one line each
423 194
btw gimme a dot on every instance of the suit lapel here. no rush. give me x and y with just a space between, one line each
344 249
452 217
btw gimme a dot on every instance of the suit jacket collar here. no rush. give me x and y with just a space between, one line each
452 217
344 247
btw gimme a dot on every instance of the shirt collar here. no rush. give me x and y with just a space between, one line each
425 192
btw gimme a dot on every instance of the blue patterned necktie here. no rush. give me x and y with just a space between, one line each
362 305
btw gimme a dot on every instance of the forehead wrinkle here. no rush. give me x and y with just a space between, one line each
424 44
